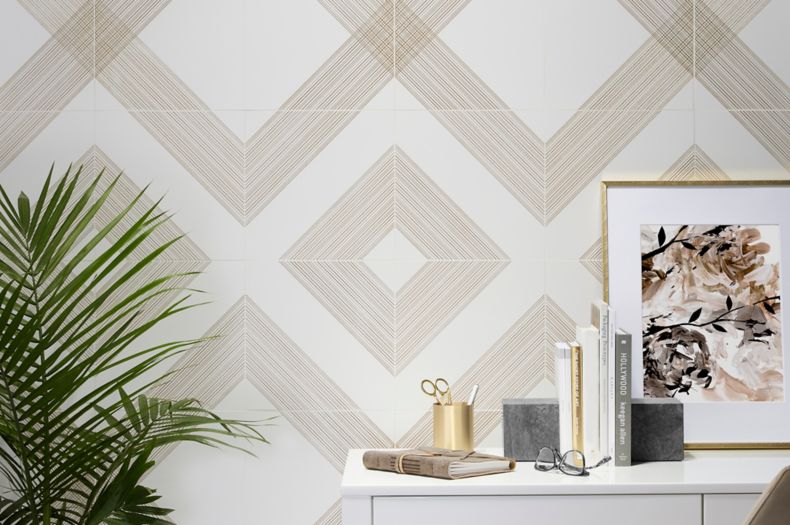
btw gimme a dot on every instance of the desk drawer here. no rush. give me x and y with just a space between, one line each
728 509
528 510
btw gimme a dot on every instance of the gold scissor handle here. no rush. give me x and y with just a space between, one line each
439 388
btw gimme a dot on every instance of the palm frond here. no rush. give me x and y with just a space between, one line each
76 428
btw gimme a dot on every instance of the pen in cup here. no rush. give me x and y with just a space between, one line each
473 395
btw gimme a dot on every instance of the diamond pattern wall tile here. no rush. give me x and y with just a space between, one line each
329 260
380 190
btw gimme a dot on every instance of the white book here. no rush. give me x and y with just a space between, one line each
603 319
611 376
562 370
588 337
600 320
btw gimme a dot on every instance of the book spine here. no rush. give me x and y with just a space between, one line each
562 368
589 339
577 412
603 378
622 455
610 380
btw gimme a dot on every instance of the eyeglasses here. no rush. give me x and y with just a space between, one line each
571 463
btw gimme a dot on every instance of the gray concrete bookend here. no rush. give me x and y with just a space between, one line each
656 429
529 425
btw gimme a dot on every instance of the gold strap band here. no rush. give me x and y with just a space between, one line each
399 462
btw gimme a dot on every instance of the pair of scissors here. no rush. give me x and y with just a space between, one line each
439 389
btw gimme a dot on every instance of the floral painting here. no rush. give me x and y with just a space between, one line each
711 327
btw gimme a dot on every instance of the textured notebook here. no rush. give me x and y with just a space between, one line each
437 462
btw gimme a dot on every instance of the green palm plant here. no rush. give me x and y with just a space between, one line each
77 431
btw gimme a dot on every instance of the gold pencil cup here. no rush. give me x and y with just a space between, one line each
453 426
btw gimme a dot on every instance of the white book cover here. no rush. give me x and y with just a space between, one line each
588 337
562 369
600 320
611 376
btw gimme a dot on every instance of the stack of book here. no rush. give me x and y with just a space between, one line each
594 389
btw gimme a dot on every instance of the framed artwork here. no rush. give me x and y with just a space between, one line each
696 271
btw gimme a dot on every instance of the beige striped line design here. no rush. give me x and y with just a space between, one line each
394 31
513 366
95 160
417 24
61 67
441 81
328 260
247 344
313 116
208 371
693 165
373 29
671 24
118 22
512 152
731 71
592 259
621 108
572 158
741 81
304 394
182 257
196 137
56 73
332 516
46 83
211 370
462 259
132 73
243 178
67 56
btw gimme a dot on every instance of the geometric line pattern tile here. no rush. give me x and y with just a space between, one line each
399 38
693 165
54 75
209 371
620 109
386 41
194 136
250 346
65 64
304 394
729 70
513 366
333 515
592 259
394 325
183 257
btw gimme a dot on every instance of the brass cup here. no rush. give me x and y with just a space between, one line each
453 426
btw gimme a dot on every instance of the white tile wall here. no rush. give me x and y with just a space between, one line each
209 103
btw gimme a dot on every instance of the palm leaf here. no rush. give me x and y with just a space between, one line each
77 428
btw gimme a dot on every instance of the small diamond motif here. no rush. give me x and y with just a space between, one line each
395 260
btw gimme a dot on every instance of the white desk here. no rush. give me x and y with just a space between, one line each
708 488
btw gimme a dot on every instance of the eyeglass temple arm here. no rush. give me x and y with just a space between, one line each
603 460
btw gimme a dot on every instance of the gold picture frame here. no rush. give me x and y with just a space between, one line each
604 188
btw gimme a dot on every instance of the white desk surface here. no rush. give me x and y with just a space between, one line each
708 472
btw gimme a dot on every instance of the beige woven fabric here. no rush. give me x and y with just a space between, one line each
773 507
